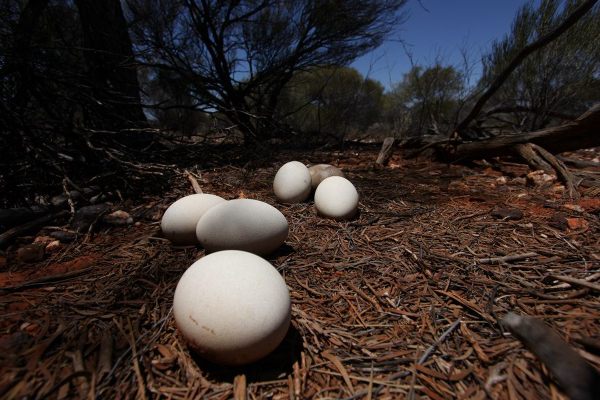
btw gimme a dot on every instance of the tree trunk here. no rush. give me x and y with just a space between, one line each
110 62
22 63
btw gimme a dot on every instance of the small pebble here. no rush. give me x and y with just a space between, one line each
577 223
558 221
31 253
64 236
510 214
52 246
118 218
540 178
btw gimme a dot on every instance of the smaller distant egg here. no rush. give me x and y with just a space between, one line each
321 171
292 183
232 307
179 221
336 197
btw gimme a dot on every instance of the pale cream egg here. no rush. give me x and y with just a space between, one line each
179 221
336 197
242 224
292 183
232 307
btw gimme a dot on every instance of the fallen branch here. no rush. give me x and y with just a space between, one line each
194 182
439 341
561 170
577 282
579 380
579 163
10 234
386 151
574 135
509 258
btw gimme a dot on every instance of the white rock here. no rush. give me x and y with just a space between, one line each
242 224
180 219
292 183
336 197
232 307
321 171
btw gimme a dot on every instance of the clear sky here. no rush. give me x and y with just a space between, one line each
440 28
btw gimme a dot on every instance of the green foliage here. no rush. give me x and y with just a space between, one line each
562 78
332 100
426 98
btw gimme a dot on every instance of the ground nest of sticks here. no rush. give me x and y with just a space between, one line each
404 300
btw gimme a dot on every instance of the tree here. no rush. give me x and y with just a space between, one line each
427 99
334 101
580 133
110 63
49 44
64 67
544 71
239 55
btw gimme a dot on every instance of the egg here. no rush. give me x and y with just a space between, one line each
321 171
179 221
292 183
232 307
242 224
336 197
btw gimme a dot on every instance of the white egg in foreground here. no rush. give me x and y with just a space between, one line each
336 197
242 224
232 307
179 221
320 172
292 183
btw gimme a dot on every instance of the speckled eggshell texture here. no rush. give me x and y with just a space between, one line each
336 197
179 221
242 224
232 307
321 171
292 183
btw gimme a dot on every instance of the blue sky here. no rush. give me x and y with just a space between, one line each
441 30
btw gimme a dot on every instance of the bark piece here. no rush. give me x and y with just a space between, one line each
579 380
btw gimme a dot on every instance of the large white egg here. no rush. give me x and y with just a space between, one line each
292 183
320 172
232 307
179 221
336 197
242 224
